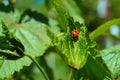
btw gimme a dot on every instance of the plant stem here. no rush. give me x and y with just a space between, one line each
104 27
39 67
70 74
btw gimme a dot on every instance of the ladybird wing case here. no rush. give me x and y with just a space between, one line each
75 33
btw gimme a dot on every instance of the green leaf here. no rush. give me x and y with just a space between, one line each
97 70
111 56
53 25
65 11
1 61
73 9
81 74
34 38
73 51
103 28
8 67
10 47
94 69
62 14
33 35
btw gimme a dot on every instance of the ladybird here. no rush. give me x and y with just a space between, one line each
75 34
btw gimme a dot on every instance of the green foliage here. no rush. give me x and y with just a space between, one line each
10 49
63 19
111 56
10 45
97 70
34 44
8 67
36 32
73 10
74 52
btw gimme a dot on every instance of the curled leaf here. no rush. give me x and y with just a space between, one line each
74 53
10 48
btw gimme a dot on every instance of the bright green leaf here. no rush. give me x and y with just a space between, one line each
73 51
33 35
64 10
10 66
54 27
62 14
34 38
111 56
73 9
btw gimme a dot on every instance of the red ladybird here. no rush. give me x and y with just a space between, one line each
75 33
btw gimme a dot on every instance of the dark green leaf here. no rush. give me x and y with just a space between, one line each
97 70
10 45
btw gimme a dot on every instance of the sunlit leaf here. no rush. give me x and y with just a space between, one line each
62 14
73 9
111 56
73 51
8 67
34 38
64 10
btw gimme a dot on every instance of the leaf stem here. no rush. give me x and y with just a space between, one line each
103 28
39 67
70 74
